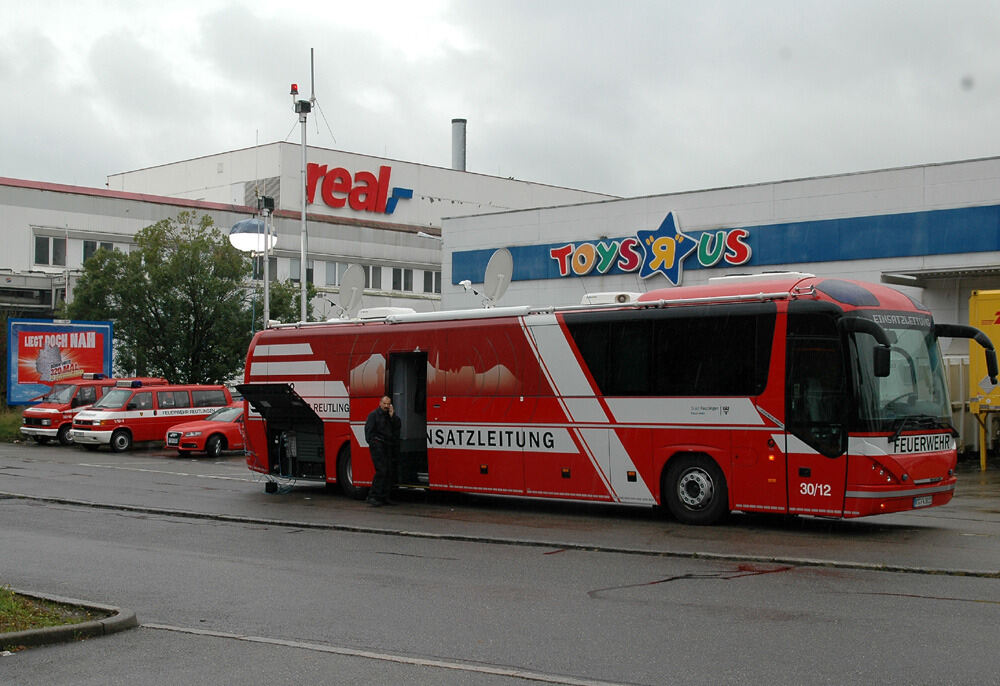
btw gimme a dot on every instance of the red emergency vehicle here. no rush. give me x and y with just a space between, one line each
53 416
134 412
783 393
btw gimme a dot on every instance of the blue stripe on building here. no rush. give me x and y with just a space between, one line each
935 232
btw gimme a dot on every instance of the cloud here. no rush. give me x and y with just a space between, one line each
627 98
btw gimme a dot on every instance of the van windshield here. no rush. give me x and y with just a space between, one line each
60 394
114 400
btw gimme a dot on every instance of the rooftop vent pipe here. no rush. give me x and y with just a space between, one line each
458 144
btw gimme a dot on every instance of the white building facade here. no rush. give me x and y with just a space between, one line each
383 215
932 231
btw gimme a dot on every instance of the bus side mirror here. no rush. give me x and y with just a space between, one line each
880 358
963 331
991 364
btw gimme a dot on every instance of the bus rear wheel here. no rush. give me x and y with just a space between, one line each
345 476
694 490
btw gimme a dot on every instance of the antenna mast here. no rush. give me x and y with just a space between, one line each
303 108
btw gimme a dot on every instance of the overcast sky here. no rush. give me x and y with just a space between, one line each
625 97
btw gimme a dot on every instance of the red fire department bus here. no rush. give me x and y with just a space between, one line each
784 394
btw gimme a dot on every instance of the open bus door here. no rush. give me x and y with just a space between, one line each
294 431
408 389
816 410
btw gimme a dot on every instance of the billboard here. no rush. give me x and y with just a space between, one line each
43 352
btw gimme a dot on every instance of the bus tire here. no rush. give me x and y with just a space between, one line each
345 475
694 490
64 436
214 446
121 440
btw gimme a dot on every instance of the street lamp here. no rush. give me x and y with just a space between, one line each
256 236
303 108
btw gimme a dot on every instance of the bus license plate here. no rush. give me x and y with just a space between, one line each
923 500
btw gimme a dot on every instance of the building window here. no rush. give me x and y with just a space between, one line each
331 274
432 282
402 279
50 251
258 268
90 247
373 276
294 270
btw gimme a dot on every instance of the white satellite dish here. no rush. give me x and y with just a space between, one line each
352 287
498 272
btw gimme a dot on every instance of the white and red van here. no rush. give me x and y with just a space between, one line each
52 418
133 412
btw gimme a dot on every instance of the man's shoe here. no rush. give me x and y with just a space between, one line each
373 503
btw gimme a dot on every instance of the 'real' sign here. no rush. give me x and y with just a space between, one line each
363 191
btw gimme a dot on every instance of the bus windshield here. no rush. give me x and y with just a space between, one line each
114 400
60 394
915 388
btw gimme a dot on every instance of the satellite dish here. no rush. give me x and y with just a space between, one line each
498 273
352 287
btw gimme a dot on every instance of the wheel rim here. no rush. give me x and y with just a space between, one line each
121 441
215 447
696 488
348 479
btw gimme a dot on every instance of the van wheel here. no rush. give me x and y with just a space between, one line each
694 489
214 446
121 440
64 436
345 476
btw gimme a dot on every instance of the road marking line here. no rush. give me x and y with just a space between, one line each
389 657
163 471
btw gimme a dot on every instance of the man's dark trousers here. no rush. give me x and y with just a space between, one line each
380 459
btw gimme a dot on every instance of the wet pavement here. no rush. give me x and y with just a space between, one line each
962 537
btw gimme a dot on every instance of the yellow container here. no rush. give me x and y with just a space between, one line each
984 314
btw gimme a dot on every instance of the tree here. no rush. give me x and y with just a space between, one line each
178 301
284 299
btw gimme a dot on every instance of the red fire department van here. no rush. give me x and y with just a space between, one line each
53 417
133 412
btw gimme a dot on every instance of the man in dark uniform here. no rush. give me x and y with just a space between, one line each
381 433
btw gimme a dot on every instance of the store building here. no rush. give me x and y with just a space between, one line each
932 231
384 215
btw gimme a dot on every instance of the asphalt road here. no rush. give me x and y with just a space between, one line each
232 585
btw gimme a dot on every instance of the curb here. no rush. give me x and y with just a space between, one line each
120 619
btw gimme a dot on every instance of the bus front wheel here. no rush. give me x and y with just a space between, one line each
345 476
694 489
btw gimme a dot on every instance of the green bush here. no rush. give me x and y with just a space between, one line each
10 424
